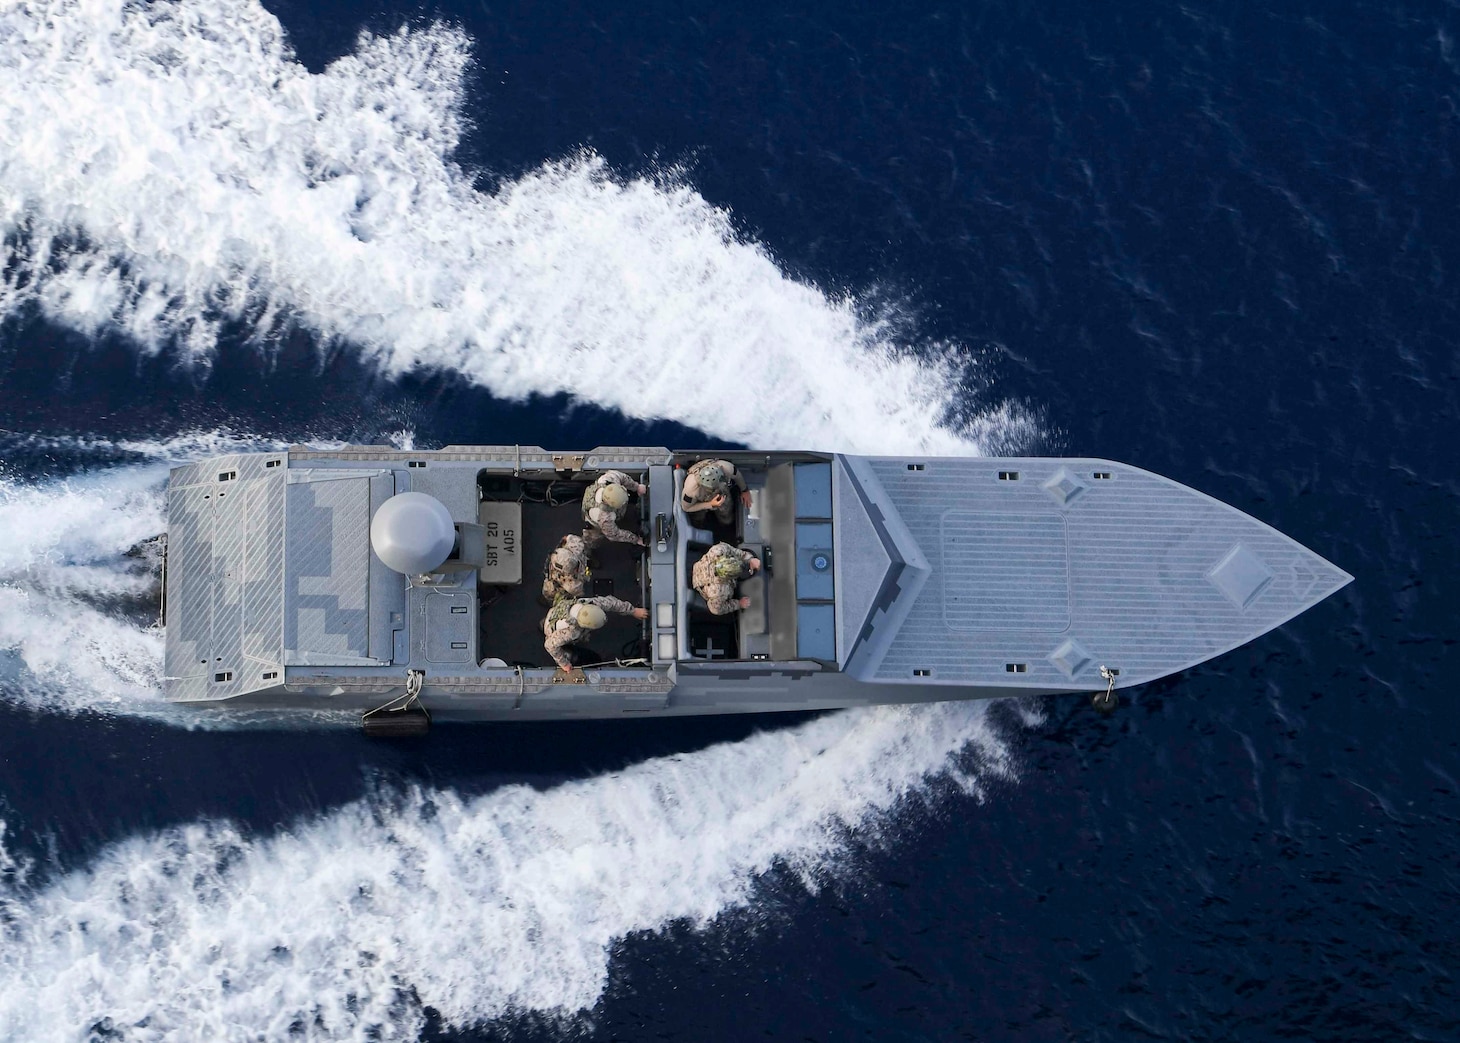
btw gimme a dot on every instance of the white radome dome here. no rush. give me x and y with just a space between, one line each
412 533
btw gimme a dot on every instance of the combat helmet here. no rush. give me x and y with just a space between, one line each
613 496
729 568
589 617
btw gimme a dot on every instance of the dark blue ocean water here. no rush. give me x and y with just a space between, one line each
1216 240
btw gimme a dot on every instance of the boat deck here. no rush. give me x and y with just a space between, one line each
982 575
1035 572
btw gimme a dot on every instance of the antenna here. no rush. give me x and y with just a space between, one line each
412 533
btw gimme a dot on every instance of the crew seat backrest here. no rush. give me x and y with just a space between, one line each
692 556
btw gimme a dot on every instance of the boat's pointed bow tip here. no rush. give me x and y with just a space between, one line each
1336 580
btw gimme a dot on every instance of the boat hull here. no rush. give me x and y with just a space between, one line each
888 580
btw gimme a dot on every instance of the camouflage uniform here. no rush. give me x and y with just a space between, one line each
705 480
567 569
561 631
604 520
716 574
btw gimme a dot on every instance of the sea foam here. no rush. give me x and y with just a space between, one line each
77 630
62 560
345 926
168 168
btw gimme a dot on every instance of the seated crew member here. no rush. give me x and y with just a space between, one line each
709 485
604 503
567 569
571 621
716 574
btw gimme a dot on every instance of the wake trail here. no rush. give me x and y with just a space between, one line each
168 169
63 549
78 630
346 926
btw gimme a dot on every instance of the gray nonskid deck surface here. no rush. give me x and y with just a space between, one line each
1136 572
271 578
225 569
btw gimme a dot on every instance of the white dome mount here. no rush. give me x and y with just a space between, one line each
412 533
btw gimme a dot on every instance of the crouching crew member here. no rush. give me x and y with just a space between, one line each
604 503
716 574
571 621
567 569
711 485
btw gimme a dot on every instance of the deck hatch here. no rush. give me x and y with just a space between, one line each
815 630
448 632
813 561
813 490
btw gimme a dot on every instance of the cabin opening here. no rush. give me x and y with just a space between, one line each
523 519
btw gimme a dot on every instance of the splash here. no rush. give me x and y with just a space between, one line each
71 454
168 169
77 599
346 926
63 570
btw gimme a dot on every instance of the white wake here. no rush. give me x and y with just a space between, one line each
62 547
344 926
168 167
75 631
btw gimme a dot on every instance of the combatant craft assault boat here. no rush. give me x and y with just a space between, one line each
899 579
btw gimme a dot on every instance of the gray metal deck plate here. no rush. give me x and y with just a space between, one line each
1061 571
1003 572
225 576
264 547
327 555
862 563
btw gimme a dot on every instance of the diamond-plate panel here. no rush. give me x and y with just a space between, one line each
189 583
215 643
229 528
263 606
